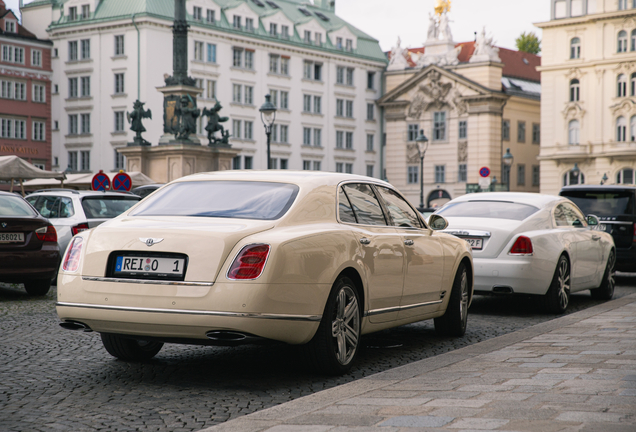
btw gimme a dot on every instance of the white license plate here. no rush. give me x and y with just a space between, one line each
475 243
11 237
145 266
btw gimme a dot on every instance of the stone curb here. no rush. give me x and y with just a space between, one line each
277 415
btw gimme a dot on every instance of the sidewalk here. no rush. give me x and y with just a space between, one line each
574 373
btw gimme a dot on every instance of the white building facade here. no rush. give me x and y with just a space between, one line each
588 107
323 75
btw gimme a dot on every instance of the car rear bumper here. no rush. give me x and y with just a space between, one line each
289 313
17 267
513 275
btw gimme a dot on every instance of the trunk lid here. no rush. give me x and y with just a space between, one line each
25 227
494 233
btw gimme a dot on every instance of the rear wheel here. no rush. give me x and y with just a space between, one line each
606 290
558 295
335 344
455 319
130 349
38 287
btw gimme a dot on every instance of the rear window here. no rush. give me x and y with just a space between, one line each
602 203
223 199
107 207
15 206
489 209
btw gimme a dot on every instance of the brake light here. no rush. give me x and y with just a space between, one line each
72 258
249 263
47 234
79 228
522 246
634 240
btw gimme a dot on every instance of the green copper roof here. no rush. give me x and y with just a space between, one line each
109 10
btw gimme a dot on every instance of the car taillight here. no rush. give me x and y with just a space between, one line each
79 228
634 240
249 263
522 246
47 234
72 258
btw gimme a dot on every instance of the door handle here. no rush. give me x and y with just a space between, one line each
365 241
408 242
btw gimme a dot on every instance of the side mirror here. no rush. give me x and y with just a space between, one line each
592 220
437 222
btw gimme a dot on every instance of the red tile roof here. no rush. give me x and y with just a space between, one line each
5 13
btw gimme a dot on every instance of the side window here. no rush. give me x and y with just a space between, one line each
66 208
48 206
566 215
400 211
344 208
365 204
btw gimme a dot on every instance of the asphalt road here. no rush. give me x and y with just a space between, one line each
55 379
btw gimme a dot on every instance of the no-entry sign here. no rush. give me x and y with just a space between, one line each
122 182
100 182
484 171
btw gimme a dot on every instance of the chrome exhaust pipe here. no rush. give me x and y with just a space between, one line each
75 325
225 336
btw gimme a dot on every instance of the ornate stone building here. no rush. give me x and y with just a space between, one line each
589 106
473 101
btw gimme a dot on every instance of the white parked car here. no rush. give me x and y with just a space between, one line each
299 257
527 243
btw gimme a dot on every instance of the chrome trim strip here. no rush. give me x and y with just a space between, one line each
400 308
145 281
312 318
468 233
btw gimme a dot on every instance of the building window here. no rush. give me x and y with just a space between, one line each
536 133
505 130
440 173
211 89
339 139
521 175
633 38
622 4
36 58
462 173
72 13
72 124
236 22
306 165
86 11
316 165
72 51
120 160
412 132
463 129
236 129
575 48
633 84
249 130
119 121
625 176
197 13
273 29
621 85
536 175
306 103
86 49
318 39
9 26
249 59
439 126
119 45
371 80
284 99
210 16
236 163
249 95
369 170
284 65
237 93
72 161
632 128
307 37
39 93
370 111
339 167
317 105
621 129
317 137
521 131
85 86
573 132
247 162
72 88
198 51
86 123
570 179
574 90
370 144
350 75
211 53
621 45
349 45
284 134
274 60
119 83
312 70
284 32
340 74
349 106
39 131
237 57
413 174
349 168
12 54
85 159
349 140
306 136
340 107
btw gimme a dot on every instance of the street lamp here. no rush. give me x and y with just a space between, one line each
574 174
604 179
422 146
507 159
268 116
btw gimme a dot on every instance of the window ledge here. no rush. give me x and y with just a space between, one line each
242 69
244 140
72 62
313 81
119 95
344 149
242 105
344 118
119 133
119 57
370 151
207 63
371 121
83 135
278 75
347 86
313 114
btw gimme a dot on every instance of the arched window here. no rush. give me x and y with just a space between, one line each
625 176
621 129
633 44
633 84
621 85
574 129
632 129
622 41
574 90
570 179
575 48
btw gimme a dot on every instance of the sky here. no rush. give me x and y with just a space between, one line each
385 20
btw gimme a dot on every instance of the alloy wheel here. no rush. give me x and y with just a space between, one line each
564 284
345 327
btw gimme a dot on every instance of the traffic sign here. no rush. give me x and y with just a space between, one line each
484 171
122 182
100 182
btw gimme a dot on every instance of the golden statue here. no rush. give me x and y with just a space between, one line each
442 6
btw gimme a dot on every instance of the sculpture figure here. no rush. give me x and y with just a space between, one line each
187 117
398 57
444 28
214 125
485 49
432 27
135 119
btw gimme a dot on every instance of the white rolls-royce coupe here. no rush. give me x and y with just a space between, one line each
307 258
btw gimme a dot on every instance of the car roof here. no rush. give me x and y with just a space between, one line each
10 194
301 178
70 192
534 199
598 187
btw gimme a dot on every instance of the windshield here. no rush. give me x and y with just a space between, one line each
107 207
489 209
602 203
14 206
225 199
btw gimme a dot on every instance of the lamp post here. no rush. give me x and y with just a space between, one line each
422 146
604 179
268 116
507 159
575 172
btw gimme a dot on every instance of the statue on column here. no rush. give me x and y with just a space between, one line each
214 125
432 28
485 49
135 120
444 28
398 57
187 113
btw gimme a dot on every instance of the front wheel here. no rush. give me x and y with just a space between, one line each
455 319
558 296
130 349
606 290
335 344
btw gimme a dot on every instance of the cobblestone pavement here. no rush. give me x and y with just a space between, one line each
54 379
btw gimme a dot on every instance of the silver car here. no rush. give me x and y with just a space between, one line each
71 211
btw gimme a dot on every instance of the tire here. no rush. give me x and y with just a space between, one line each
37 287
606 290
334 347
455 319
557 298
130 349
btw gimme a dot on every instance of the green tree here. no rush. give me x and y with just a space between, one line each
528 42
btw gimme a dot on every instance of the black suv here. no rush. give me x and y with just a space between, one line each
614 207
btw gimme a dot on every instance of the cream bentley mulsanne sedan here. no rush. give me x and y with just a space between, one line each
300 257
